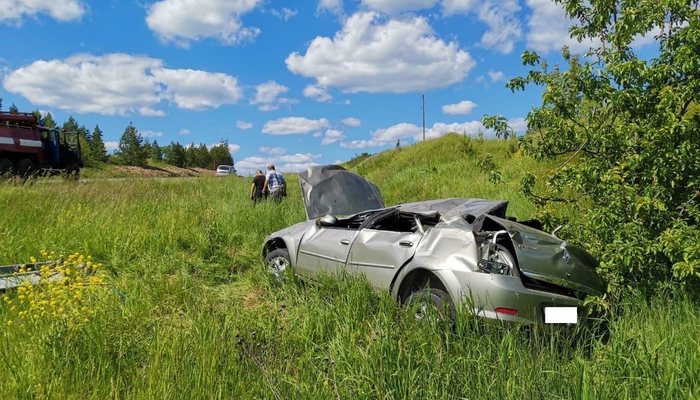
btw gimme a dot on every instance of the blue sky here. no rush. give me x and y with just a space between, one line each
292 83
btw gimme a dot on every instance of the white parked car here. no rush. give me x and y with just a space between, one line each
225 170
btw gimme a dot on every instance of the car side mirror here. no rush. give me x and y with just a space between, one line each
327 220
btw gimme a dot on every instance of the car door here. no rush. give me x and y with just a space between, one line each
325 250
380 250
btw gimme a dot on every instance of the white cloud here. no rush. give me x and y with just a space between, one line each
362 144
495 75
331 6
267 95
297 167
397 6
183 21
111 146
461 108
198 90
404 131
284 14
184 131
374 54
273 151
119 84
283 163
298 158
519 124
396 131
350 121
500 17
14 11
150 134
233 148
549 29
245 125
451 7
292 125
317 93
332 136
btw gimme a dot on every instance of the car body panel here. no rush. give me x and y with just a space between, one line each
326 190
325 250
447 238
545 257
379 254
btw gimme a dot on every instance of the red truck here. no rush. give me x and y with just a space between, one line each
27 148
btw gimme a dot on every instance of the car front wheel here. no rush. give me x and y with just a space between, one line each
277 263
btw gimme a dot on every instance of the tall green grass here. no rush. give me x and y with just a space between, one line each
188 311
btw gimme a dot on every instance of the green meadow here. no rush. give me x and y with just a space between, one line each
185 310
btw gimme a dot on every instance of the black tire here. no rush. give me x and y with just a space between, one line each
420 302
6 167
278 264
26 168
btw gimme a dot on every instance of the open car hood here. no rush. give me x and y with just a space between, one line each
331 189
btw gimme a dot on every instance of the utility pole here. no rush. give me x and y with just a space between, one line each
423 108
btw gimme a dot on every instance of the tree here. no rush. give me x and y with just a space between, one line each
97 145
191 156
220 155
49 121
13 109
628 183
175 155
202 156
85 139
156 153
131 147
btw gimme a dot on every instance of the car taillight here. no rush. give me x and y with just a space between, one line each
505 310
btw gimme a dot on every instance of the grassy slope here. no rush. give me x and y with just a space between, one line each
152 170
200 319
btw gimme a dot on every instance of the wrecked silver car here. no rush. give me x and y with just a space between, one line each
450 251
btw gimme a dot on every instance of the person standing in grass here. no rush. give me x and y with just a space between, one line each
256 189
275 184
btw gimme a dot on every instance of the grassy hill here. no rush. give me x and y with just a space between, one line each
451 166
183 308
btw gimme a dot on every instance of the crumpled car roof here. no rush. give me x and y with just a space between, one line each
458 207
331 189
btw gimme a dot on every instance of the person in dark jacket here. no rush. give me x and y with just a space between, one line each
256 189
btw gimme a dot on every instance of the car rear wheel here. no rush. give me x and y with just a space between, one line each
432 304
277 263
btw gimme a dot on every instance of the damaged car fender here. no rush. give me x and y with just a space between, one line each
288 238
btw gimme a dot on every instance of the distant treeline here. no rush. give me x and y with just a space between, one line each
134 149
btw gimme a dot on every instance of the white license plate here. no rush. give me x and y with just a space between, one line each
560 315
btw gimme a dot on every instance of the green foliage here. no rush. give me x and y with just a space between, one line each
499 124
220 155
155 153
626 138
13 109
131 148
188 312
97 149
357 159
175 154
49 121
